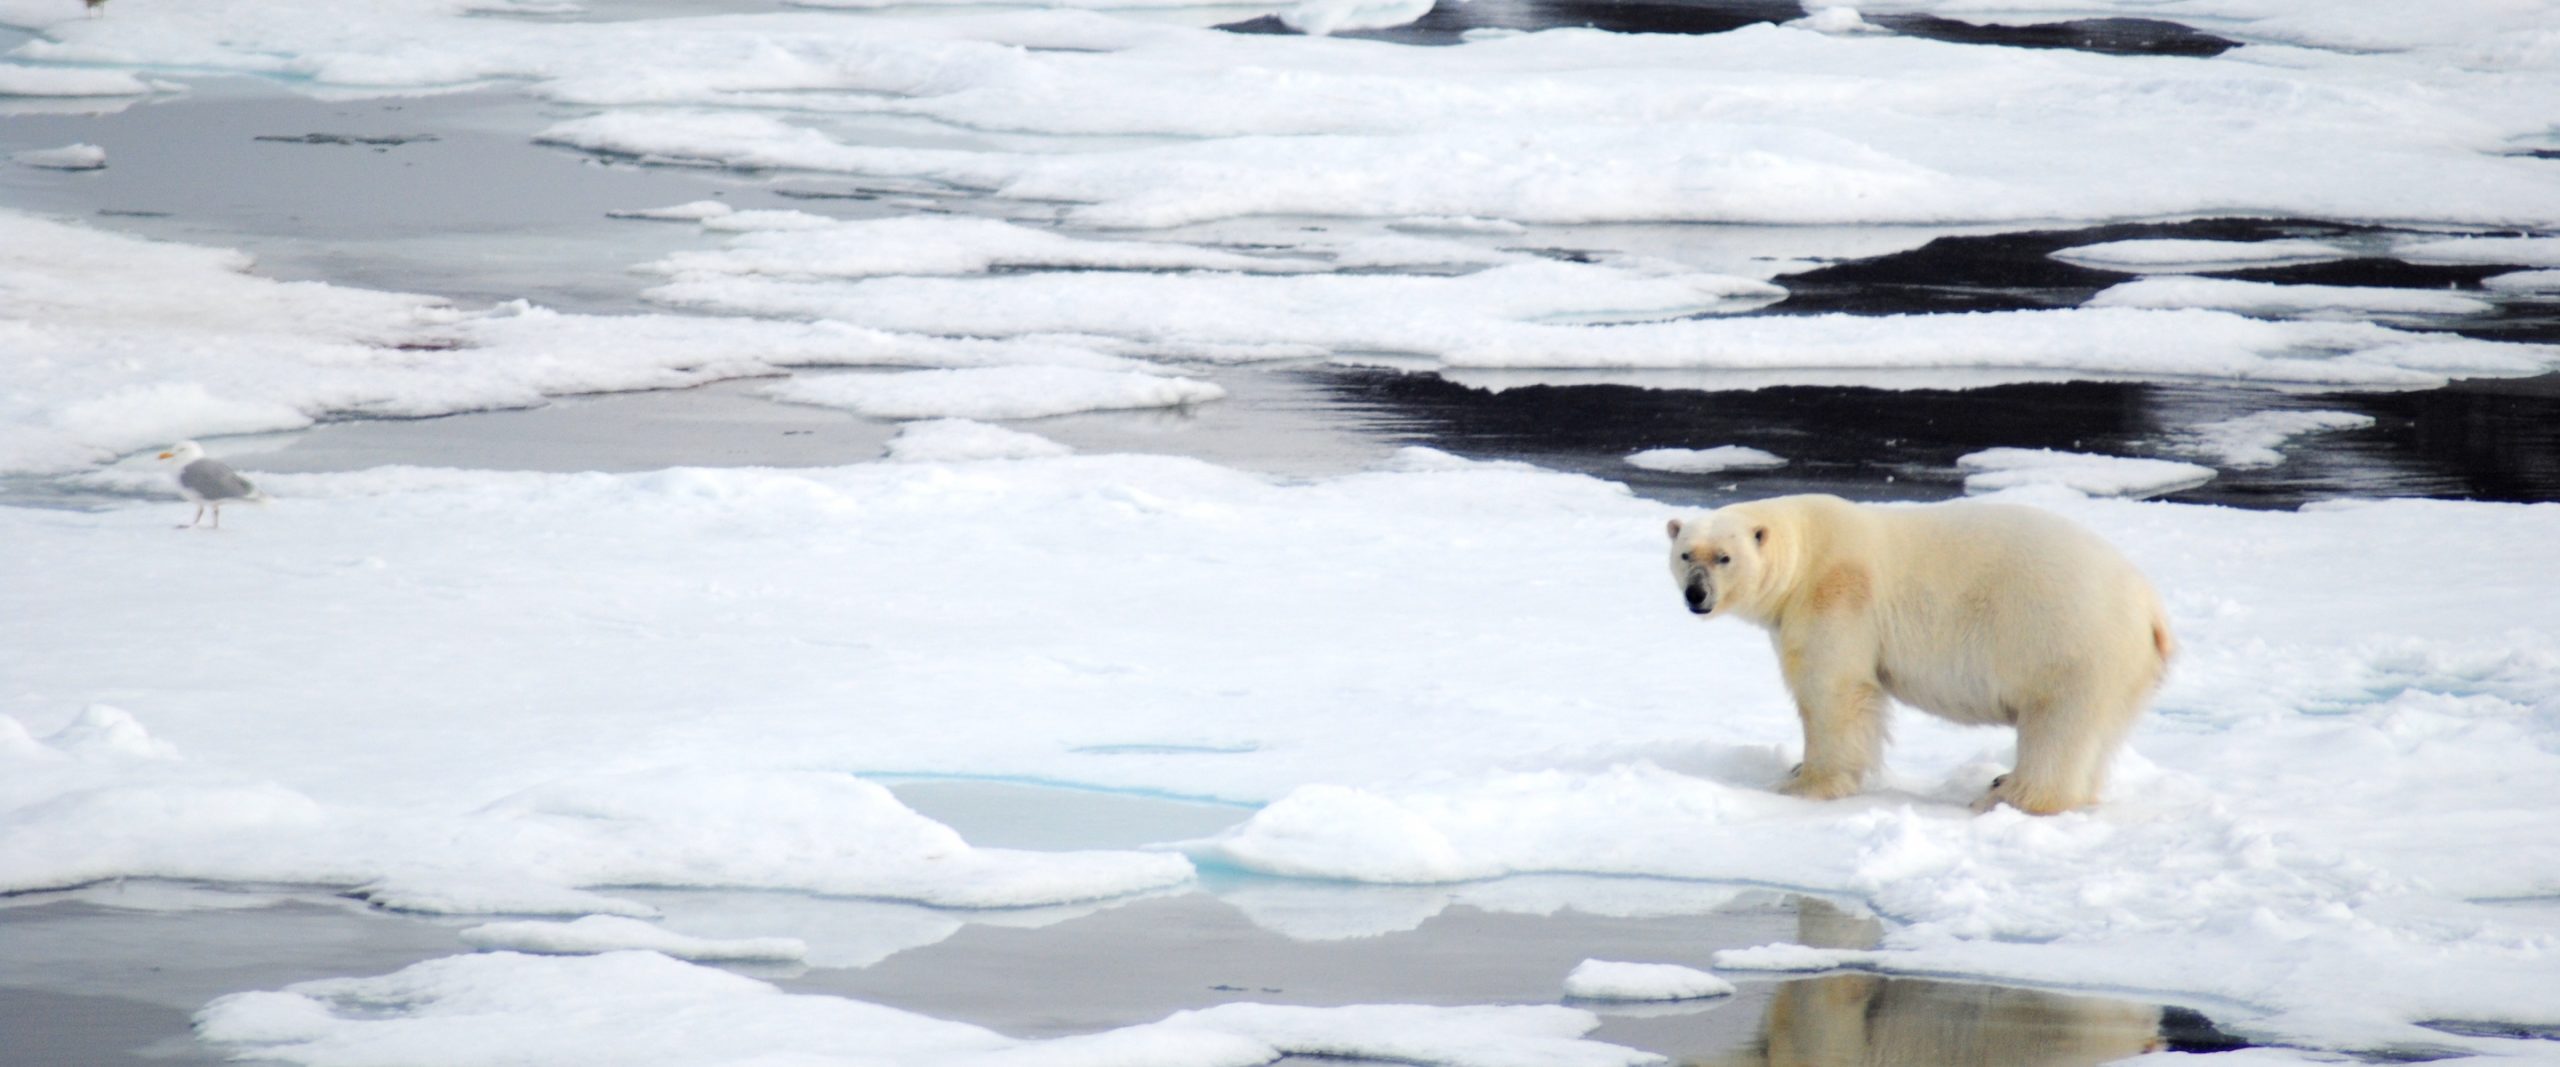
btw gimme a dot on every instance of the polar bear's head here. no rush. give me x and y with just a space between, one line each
1723 563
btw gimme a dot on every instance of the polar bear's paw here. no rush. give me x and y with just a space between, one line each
1818 786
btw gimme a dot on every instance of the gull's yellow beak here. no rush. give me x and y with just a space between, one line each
166 455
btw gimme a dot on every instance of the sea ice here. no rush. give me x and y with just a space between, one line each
67 157
1995 469
961 440
994 392
2500 251
2268 298
645 1008
17 79
929 244
689 211
2198 257
1321 17
125 344
2524 281
1705 460
1607 980
1788 957
2256 440
595 934
650 703
463 691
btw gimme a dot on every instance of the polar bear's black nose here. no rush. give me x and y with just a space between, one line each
1697 595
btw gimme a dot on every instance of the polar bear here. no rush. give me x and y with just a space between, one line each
1979 613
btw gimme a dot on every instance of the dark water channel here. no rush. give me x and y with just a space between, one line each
2481 440
1450 21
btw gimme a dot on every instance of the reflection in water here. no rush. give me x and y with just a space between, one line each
1847 1020
1854 1020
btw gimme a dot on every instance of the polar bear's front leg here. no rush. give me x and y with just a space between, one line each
1844 732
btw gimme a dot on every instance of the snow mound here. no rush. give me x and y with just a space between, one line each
961 440
608 933
994 392
1995 469
1605 980
1705 460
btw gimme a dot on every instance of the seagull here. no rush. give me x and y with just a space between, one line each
209 482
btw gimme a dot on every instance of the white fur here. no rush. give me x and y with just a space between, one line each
1979 613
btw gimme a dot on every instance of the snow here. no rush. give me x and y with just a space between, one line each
67 157
2269 298
1705 460
1610 980
2256 440
1995 469
995 392
2197 256
642 1008
609 933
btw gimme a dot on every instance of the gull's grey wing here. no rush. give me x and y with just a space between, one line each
212 480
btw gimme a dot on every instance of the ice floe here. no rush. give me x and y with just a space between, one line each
18 79
1611 980
994 392
125 344
67 157
2267 298
595 934
2257 440
642 1007
1994 469
2199 256
1705 460
646 704
958 440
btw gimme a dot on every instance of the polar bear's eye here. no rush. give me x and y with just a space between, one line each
1722 559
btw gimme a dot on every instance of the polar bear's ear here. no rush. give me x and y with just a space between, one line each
1675 529
1759 535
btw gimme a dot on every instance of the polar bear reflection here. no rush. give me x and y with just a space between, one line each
1865 1020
